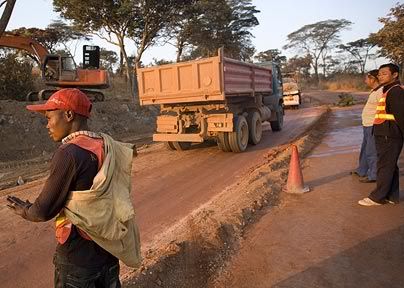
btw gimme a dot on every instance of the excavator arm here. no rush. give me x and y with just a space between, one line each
25 43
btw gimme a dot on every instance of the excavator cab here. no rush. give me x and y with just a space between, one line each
58 68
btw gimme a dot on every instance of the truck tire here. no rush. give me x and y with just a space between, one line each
223 141
169 145
254 127
32 96
238 139
45 94
181 146
278 123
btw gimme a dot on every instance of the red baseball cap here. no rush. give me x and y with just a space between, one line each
66 99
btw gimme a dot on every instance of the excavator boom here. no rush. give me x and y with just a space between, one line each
24 43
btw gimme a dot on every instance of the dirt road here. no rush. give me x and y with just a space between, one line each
324 238
167 186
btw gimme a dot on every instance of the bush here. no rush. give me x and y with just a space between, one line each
345 99
16 79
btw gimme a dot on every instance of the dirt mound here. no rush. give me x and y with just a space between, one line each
23 134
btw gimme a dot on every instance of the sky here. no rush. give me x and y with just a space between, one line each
277 19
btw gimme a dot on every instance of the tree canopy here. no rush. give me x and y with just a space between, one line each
271 55
359 50
316 40
53 36
207 25
390 37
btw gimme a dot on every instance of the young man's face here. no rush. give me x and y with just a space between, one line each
58 124
385 76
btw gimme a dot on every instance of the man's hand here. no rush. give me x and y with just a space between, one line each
17 205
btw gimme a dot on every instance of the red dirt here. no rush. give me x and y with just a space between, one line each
324 238
167 187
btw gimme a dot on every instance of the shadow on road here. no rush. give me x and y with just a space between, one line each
324 180
374 263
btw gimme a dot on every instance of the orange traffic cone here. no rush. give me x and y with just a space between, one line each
295 182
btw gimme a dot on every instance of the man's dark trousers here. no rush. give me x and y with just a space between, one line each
388 151
67 275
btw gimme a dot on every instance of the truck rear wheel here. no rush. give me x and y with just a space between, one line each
180 146
278 123
223 141
169 145
238 139
254 127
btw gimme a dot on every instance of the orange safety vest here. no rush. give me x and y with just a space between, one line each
381 114
63 225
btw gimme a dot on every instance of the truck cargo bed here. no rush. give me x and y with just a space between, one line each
203 80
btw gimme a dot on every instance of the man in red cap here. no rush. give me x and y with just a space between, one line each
79 261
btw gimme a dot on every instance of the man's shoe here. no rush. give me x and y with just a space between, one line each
368 202
391 202
366 180
354 173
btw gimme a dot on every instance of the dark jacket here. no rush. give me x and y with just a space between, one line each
395 106
72 168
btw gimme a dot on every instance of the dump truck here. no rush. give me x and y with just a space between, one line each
212 98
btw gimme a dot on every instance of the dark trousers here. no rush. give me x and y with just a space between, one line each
387 182
67 275
368 155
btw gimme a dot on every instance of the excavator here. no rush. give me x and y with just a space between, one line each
60 71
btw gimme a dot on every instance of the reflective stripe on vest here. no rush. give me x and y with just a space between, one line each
381 114
63 225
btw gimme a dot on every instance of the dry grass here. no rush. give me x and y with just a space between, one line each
344 82
337 82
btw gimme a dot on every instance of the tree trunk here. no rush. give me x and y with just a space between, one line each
128 66
5 17
315 66
180 48
121 63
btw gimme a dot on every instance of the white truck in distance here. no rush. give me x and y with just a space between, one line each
291 93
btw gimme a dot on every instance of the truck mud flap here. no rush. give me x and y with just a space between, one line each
220 122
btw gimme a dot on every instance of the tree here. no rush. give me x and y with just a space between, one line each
271 55
390 38
53 36
16 79
315 39
207 25
153 18
299 65
110 20
359 50
5 16
108 59
183 26
118 21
